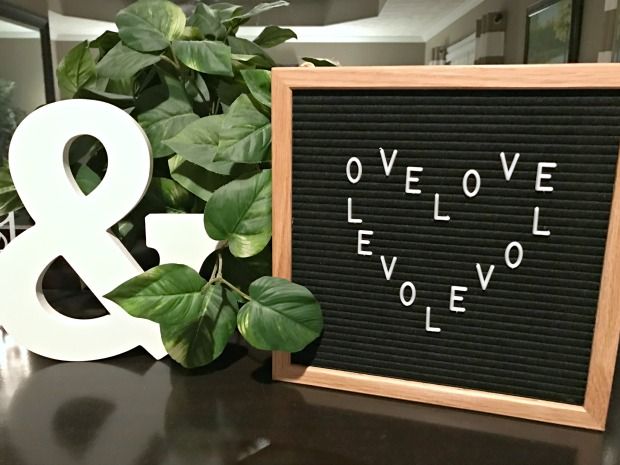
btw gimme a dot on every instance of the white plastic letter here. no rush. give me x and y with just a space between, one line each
388 166
356 161
509 263
407 285
466 190
436 214
388 271
509 170
484 280
361 241
74 226
350 218
540 176
535 230
456 298
429 328
162 234
411 179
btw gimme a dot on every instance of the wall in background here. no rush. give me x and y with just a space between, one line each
419 53
348 54
21 63
591 33
352 54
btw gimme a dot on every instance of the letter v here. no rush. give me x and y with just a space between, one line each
388 271
508 171
484 280
388 166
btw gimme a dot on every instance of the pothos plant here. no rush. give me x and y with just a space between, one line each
202 96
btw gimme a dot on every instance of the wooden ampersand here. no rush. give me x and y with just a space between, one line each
74 226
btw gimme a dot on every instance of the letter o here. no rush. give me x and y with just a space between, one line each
354 180
403 287
466 190
509 263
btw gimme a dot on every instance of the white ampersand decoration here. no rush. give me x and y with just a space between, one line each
74 226
163 231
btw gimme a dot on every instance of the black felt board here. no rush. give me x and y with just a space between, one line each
530 333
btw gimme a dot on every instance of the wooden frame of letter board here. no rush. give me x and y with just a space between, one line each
593 413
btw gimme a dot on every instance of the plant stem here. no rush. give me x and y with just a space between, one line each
171 62
235 289
215 104
220 266
193 83
213 273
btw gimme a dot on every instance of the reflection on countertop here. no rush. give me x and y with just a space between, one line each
133 410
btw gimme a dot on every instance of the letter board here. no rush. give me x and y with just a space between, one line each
458 226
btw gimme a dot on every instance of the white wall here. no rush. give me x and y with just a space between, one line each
352 54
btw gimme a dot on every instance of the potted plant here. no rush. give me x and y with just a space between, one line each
202 96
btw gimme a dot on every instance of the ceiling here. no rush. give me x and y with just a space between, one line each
314 21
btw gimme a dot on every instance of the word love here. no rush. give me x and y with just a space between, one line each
471 186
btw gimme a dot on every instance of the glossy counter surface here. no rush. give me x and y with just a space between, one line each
132 410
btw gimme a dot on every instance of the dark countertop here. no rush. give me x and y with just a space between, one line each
132 410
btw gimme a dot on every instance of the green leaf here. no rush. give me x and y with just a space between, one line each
150 25
196 318
86 179
199 141
123 62
245 136
169 113
274 35
246 47
9 200
199 181
123 229
97 84
121 86
105 42
196 88
223 167
240 213
226 10
165 129
192 33
229 90
163 101
243 58
320 62
259 83
204 340
119 100
208 21
76 69
281 316
205 56
160 293
83 149
237 20
166 195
